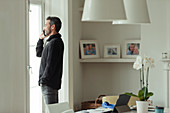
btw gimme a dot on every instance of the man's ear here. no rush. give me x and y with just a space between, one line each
53 26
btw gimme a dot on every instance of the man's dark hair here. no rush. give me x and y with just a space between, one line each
131 44
56 21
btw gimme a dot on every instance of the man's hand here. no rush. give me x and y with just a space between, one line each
42 36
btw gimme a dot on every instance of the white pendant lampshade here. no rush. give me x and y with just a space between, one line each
103 10
136 12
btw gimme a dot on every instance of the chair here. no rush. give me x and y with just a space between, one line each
59 108
113 99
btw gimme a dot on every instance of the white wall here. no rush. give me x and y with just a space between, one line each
168 24
155 41
109 78
77 68
13 56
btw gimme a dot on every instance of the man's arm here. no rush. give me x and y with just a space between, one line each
40 47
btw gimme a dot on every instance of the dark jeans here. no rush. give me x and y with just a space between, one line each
50 95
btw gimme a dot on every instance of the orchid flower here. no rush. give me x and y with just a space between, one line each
144 65
138 63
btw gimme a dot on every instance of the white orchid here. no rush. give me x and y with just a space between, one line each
138 63
143 64
148 62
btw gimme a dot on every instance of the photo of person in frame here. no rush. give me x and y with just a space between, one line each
112 51
133 48
89 49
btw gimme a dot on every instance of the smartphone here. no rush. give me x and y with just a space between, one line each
44 32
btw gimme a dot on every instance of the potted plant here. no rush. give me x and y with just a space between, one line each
144 65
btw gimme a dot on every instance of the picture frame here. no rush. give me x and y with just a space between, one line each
89 49
112 51
132 48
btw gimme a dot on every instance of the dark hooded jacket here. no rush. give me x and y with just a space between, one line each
51 66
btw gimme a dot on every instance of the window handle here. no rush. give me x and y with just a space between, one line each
29 68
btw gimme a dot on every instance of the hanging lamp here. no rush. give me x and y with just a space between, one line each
103 10
136 12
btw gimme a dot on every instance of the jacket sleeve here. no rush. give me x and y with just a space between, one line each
53 57
39 48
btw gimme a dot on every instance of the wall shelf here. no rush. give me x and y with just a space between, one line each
100 60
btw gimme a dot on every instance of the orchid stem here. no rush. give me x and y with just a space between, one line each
147 75
143 76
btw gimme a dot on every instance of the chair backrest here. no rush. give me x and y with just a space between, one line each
113 99
58 107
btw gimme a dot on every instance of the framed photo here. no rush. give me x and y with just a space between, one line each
89 49
112 51
132 48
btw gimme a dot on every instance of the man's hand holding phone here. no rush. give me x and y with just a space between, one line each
43 35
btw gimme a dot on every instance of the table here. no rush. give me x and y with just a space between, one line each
167 110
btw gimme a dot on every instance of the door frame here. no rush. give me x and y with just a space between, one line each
27 56
27 9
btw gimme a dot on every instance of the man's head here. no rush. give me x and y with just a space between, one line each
135 52
132 47
87 47
52 25
90 46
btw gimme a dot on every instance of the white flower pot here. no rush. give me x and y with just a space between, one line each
142 106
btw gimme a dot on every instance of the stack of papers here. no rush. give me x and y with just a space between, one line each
97 110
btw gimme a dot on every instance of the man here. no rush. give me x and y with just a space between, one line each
87 51
93 51
51 54
131 49
136 51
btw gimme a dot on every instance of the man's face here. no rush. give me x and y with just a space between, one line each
136 51
132 47
90 46
47 27
87 47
